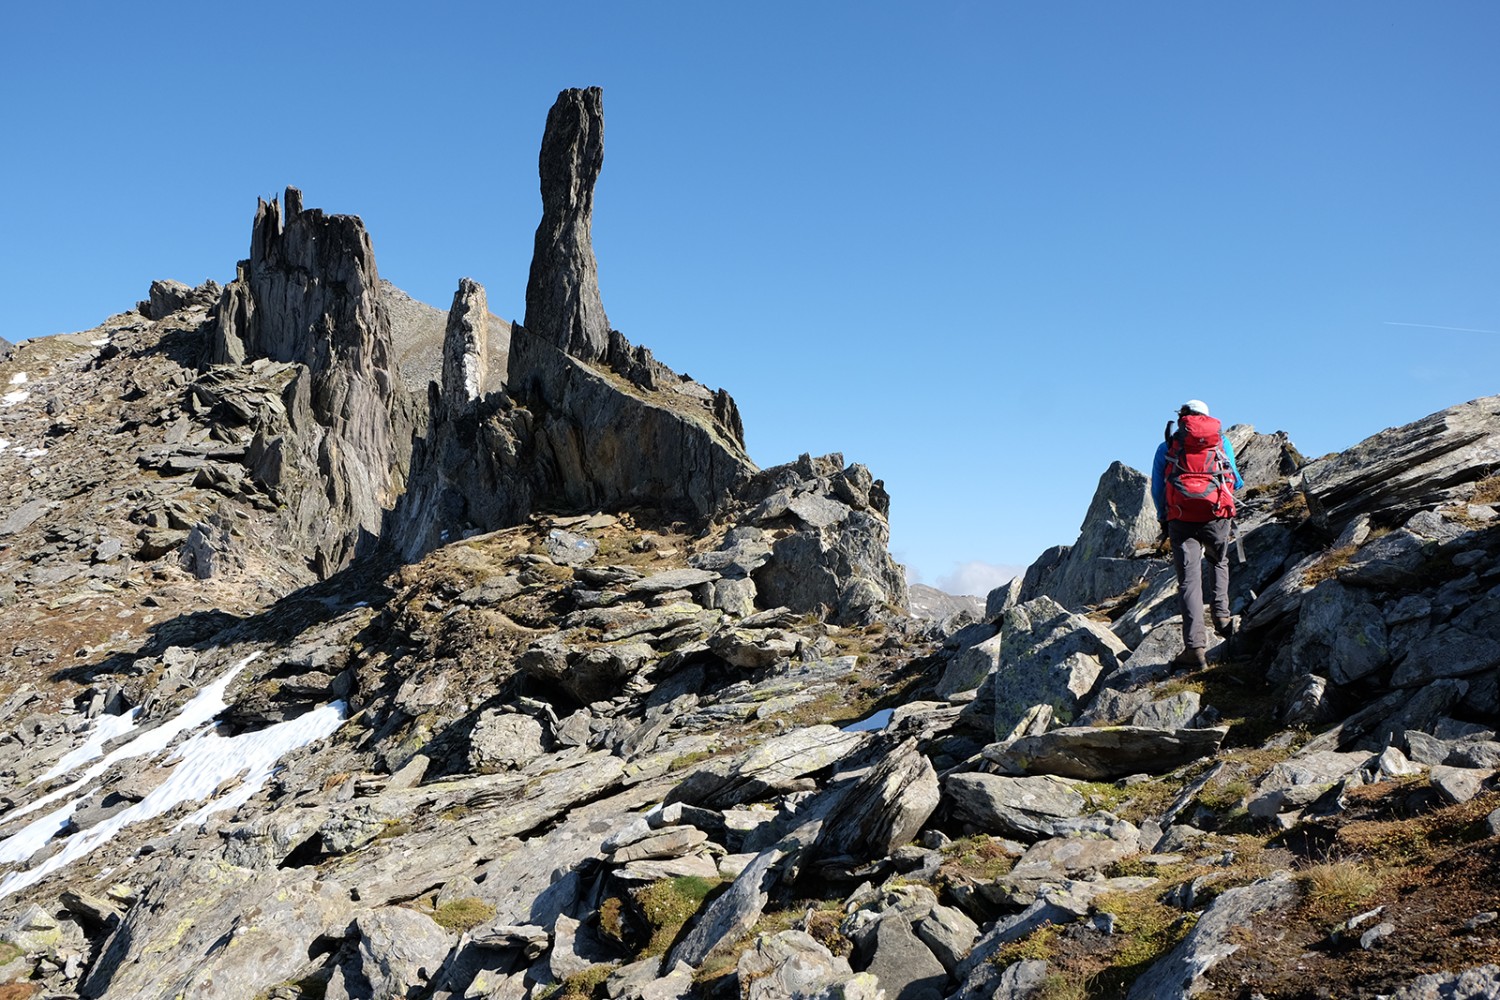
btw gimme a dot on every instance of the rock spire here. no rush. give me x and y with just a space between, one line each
562 295
466 347
310 295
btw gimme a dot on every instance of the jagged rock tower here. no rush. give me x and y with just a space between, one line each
309 295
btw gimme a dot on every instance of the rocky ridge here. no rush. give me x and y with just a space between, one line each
592 720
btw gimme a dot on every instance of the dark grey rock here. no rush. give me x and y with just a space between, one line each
1466 645
1405 469
1105 754
885 808
310 294
1339 633
1263 459
1026 806
907 968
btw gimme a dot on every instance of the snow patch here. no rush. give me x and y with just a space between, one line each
19 378
874 723
12 398
203 765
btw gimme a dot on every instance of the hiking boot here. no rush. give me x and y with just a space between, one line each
1190 658
1225 627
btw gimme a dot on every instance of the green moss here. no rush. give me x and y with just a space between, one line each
9 952
393 828
464 914
668 904
687 760
586 985
1039 945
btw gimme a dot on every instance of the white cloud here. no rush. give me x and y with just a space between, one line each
977 578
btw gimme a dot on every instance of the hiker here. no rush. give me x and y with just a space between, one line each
1193 480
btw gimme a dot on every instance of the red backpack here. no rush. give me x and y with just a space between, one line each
1200 482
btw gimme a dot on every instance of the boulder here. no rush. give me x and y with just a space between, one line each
1049 656
843 564
968 668
776 766
906 968
788 964
399 951
1263 459
885 808
1104 754
1024 807
503 741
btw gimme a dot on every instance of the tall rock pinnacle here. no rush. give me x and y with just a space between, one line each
466 347
562 295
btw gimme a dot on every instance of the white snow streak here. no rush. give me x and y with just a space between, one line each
106 729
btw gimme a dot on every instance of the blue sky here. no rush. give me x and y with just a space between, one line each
984 248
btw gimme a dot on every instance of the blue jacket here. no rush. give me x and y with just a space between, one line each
1159 475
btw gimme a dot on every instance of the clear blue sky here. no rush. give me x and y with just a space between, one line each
984 248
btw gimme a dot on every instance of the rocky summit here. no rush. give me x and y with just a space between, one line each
356 650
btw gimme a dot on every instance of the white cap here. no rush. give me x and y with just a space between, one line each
1194 406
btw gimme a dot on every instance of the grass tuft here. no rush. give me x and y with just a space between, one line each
1336 888
459 915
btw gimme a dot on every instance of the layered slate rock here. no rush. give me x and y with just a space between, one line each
338 454
466 346
831 528
1213 938
606 425
563 307
1405 469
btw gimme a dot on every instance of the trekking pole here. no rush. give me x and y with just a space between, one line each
1239 544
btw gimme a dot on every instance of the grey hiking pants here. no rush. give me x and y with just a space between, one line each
1191 543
